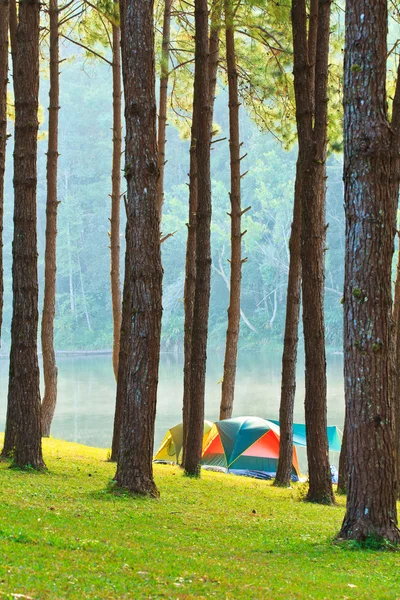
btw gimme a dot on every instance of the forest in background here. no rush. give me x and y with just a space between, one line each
83 300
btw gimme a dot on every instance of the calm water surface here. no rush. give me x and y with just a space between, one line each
86 394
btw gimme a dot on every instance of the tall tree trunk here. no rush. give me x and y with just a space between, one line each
371 166
232 334
396 361
141 312
162 108
116 194
190 267
49 301
23 426
291 340
198 353
4 12
311 55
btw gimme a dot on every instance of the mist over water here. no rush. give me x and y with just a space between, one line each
86 394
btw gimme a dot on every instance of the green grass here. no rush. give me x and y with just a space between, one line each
64 535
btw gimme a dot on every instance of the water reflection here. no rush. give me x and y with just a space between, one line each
86 396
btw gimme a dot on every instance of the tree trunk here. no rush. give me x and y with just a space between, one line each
290 345
141 312
343 464
116 194
232 334
23 426
190 267
311 55
162 108
396 361
4 12
198 352
371 181
49 301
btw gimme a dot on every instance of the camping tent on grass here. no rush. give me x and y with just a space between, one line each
299 436
171 445
245 444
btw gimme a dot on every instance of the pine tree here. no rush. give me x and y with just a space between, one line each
310 69
371 179
232 334
4 12
141 312
199 331
23 425
49 302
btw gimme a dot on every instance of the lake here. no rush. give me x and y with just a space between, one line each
86 395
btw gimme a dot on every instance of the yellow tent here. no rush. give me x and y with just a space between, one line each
171 445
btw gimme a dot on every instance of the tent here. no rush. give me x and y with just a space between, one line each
171 445
299 436
245 443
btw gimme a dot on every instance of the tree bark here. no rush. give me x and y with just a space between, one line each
4 12
23 426
116 194
198 351
141 312
232 334
290 344
395 144
50 260
396 361
190 266
371 167
162 108
310 81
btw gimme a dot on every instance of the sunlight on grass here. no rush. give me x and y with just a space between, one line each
65 534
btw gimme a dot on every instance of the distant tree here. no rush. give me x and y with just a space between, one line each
50 262
23 425
199 333
141 313
4 11
115 217
232 334
310 58
163 101
190 263
371 178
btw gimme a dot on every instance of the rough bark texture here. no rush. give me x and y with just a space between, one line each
190 266
371 182
116 195
4 12
232 334
396 349
162 108
310 80
290 344
198 352
395 144
23 426
141 312
49 301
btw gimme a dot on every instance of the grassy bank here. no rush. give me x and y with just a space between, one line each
64 535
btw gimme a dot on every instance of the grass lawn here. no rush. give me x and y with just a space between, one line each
64 535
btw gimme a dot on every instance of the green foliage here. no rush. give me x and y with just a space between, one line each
67 534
